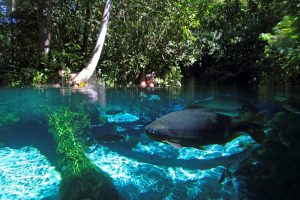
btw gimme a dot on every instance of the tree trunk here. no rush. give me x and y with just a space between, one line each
12 8
87 72
12 5
44 29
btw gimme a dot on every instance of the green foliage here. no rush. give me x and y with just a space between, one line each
265 37
282 51
228 39
81 179
11 78
39 78
68 58
171 79
213 40
146 36
18 77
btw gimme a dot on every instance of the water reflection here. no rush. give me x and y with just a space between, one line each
94 93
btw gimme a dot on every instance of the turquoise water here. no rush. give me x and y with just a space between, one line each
141 168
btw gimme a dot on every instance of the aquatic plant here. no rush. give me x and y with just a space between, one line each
8 118
81 179
277 161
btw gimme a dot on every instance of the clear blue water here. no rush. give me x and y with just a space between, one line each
141 168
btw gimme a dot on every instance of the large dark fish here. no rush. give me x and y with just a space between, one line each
199 127
226 105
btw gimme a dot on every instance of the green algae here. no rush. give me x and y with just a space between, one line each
81 179
8 118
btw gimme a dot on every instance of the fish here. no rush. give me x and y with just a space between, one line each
291 105
226 105
280 98
201 127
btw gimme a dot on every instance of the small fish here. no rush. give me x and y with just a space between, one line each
200 127
289 104
293 107
227 105
280 98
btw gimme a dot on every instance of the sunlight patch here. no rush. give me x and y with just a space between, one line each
122 118
165 150
154 97
242 143
156 148
26 174
137 179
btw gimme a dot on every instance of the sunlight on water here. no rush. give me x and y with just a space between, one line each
122 118
171 173
26 174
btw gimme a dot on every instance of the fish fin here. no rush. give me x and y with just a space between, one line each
210 98
195 103
259 118
176 145
280 98
227 113
258 135
290 109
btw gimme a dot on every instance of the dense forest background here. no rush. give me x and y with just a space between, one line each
242 41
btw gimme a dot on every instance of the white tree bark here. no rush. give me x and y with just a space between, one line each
87 72
12 5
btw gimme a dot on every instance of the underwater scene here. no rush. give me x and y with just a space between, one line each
155 143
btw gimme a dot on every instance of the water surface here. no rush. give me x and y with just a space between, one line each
140 167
